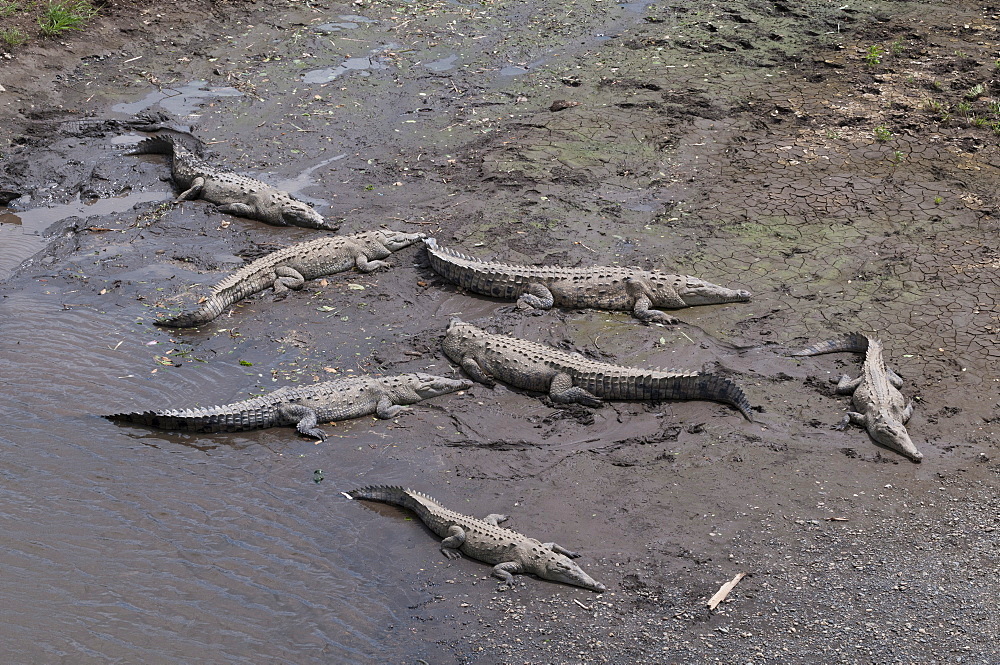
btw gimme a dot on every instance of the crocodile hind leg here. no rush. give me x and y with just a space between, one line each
563 391
559 549
287 278
192 192
846 386
455 539
504 571
386 408
304 419
537 297
894 379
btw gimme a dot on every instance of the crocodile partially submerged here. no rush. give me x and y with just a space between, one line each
484 539
599 287
305 406
290 267
570 377
879 406
234 194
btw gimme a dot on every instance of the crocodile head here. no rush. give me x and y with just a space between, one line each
559 568
299 214
887 430
396 240
694 291
428 385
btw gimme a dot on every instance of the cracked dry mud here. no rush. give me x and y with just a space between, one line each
840 163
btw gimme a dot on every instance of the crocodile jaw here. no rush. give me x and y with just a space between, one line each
892 434
427 385
561 569
306 217
396 240
699 292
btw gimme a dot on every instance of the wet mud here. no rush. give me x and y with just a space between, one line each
839 163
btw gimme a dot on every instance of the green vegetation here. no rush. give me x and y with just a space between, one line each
882 134
58 17
13 36
9 8
874 55
976 91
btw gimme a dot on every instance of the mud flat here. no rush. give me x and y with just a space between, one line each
839 163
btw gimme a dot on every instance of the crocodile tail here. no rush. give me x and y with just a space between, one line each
161 144
208 311
703 386
854 342
250 414
395 495
165 142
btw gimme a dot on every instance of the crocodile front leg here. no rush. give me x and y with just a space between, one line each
455 539
386 408
287 278
907 412
495 519
364 265
559 549
537 297
192 192
473 369
851 418
239 209
504 571
641 310
563 391
304 419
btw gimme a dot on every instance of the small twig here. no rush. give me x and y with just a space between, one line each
685 335
581 604
132 59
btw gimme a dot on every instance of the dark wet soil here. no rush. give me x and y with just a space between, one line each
841 163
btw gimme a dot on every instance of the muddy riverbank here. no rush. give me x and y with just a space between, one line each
839 163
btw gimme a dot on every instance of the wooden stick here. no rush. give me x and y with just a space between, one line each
723 591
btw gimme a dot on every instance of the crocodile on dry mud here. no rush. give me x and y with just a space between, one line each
879 406
600 287
570 377
290 267
484 539
234 194
305 406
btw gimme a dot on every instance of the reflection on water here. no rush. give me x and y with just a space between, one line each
21 231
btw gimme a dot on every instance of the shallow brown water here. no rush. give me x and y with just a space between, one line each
753 166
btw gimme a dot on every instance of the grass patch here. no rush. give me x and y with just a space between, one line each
58 17
9 8
13 36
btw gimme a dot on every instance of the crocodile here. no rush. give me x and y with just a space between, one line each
305 406
879 406
570 377
235 194
600 287
485 540
290 267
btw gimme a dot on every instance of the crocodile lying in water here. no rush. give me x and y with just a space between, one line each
485 540
599 287
290 267
570 377
879 406
305 406
235 194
